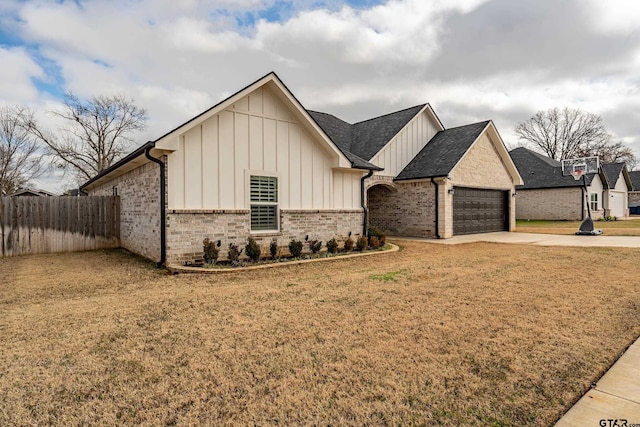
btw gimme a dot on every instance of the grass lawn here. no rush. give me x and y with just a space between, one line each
478 334
630 227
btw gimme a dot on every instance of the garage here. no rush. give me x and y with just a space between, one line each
617 204
478 210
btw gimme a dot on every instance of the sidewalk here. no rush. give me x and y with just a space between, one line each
615 397
537 239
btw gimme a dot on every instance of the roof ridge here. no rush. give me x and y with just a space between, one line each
389 114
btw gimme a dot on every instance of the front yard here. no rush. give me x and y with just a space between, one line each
628 227
478 334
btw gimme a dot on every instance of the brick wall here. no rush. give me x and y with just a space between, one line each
407 209
139 192
550 204
187 229
481 167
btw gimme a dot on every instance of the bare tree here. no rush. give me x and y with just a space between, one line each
20 156
96 132
562 134
611 152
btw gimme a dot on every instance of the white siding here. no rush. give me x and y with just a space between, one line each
256 134
403 147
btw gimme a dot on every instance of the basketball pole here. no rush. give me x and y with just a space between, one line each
586 194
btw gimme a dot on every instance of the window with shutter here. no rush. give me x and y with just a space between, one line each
264 202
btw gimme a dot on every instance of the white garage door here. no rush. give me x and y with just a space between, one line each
616 203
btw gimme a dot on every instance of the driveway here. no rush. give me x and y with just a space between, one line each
539 239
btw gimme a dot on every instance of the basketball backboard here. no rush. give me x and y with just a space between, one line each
585 164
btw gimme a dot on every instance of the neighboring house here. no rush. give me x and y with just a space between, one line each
259 164
634 193
33 192
549 195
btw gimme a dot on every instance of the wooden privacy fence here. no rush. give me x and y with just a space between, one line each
34 225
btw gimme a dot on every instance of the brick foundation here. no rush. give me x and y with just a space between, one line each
186 229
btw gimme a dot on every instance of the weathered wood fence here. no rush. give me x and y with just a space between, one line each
33 225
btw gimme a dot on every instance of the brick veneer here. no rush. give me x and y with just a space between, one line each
187 229
139 192
552 204
407 209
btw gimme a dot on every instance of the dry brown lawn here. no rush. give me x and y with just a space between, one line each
478 334
627 227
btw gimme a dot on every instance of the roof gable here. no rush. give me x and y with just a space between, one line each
366 138
634 176
612 171
443 152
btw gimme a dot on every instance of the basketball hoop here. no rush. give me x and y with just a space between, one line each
577 174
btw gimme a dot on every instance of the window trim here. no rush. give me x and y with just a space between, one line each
593 201
250 203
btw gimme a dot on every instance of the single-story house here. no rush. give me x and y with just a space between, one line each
634 193
259 164
547 194
31 192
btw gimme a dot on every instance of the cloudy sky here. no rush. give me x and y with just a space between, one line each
471 59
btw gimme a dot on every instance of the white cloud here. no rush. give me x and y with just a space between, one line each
16 75
472 59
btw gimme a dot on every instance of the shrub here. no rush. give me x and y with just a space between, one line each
315 246
374 242
295 248
273 248
374 231
234 253
211 251
332 246
252 249
348 245
361 244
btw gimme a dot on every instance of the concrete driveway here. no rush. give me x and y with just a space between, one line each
539 239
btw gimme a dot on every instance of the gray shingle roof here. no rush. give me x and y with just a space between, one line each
366 138
443 152
612 172
635 180
539 171
340 132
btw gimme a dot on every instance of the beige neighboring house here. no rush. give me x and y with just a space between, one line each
31 192
549 195
259 164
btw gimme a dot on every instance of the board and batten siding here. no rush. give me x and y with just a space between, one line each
405 145
257 135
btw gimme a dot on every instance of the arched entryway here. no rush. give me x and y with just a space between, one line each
381 206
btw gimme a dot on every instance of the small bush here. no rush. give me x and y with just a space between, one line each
374 231
348 245
315 246
234 252
361 244
252 249
374 242
332 246
295 248
273 248
211 250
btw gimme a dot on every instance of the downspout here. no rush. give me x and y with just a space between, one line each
435 204
362 202
163 219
